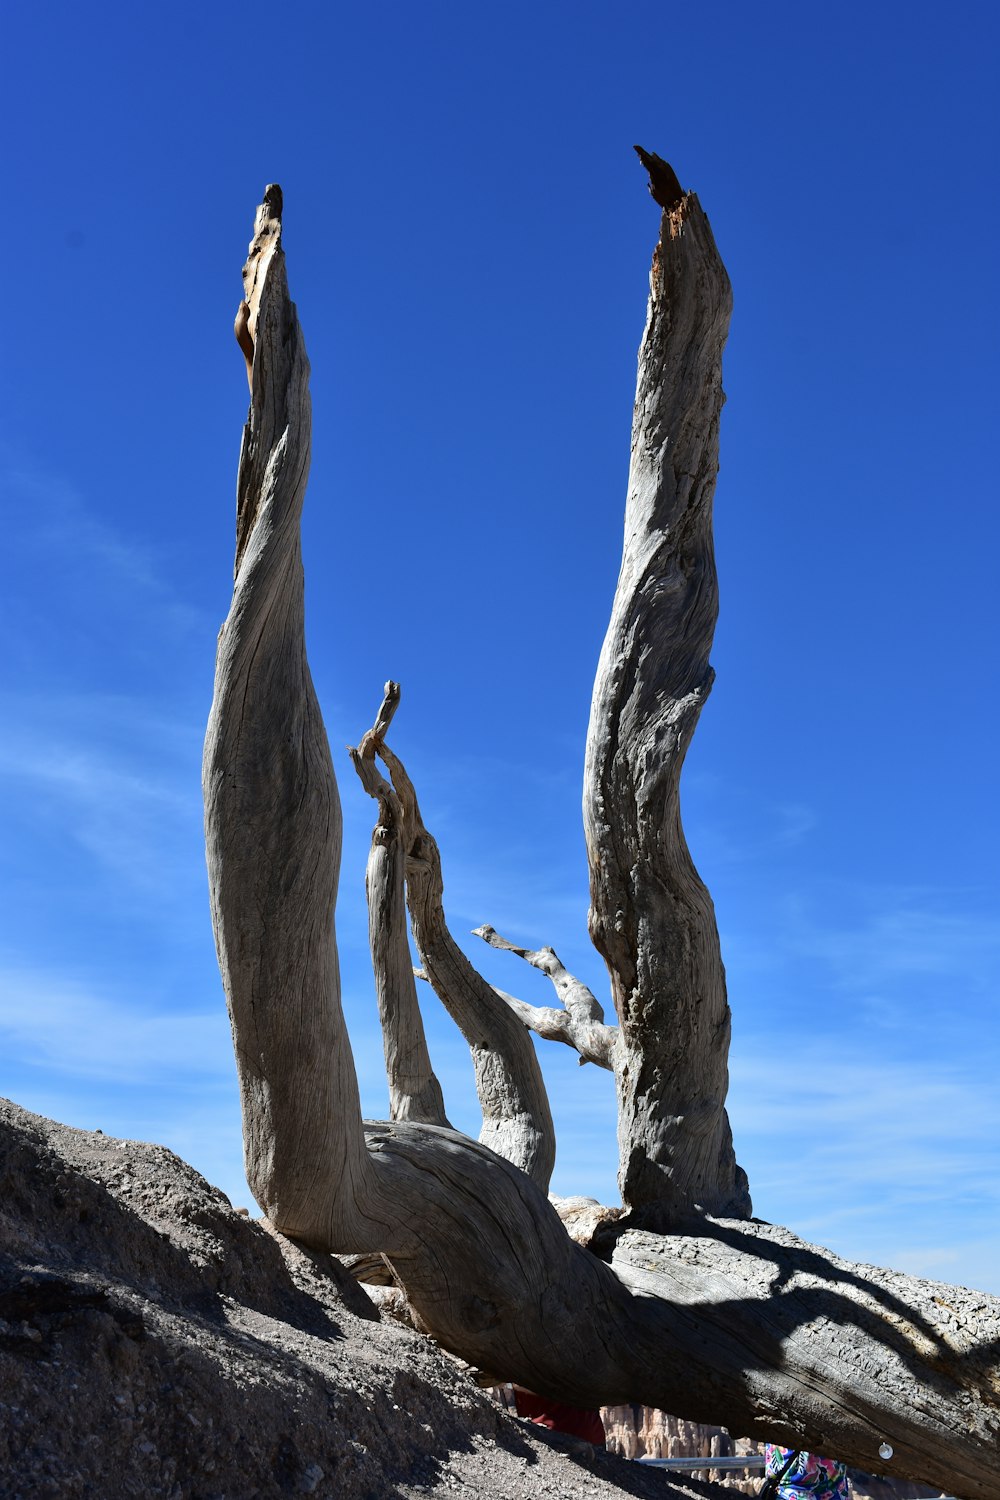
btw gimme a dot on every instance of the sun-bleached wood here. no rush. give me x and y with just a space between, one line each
272 811
650 916
739 1322
517 1121
579 1024
414 1090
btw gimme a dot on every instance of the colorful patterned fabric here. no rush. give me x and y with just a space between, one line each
809 1478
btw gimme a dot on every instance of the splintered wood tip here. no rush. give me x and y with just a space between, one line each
664 187
273 201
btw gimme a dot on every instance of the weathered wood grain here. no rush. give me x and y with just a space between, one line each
739 1322
579 1023
272 813
414 1090
650 916
517 1121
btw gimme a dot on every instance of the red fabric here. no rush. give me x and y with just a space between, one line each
574 1421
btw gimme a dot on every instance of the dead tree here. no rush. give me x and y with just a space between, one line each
681 1300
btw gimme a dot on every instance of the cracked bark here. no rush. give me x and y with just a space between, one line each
414 1090
739 1322
651 917
517 1121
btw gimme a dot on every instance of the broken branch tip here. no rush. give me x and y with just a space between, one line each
273 200
664 186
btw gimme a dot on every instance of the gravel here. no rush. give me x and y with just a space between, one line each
156 1343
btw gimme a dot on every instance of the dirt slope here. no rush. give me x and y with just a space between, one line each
155 1343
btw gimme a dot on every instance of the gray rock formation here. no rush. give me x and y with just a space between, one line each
642 1431
637 1431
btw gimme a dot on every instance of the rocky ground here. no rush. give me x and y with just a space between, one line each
155 1343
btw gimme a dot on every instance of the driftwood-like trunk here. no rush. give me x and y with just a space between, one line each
272 811
732 1321
651 916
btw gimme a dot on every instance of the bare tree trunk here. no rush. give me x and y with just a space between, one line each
651 917
272 812
739 1324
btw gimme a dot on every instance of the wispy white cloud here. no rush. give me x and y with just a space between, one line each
122 786
900 934
872 1156
54 526
100 717
859 963
64 1025
80 775
729 825
800 1081
793 822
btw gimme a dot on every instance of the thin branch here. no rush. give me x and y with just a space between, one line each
414 1091
517 1121
372 741
580 1024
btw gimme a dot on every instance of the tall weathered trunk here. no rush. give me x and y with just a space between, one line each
272 813
651 917
740 1323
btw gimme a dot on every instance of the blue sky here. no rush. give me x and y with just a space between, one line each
468 238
